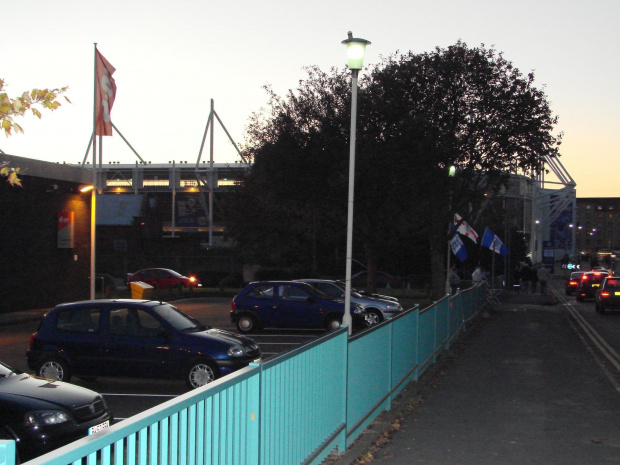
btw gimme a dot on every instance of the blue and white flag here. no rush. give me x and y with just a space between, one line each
458 248
491 241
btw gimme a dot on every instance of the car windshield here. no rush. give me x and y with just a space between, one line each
5 370
178 319
315 292
355 292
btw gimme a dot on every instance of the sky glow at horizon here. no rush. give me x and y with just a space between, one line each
172 58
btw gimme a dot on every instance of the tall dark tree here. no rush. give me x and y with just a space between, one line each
419 114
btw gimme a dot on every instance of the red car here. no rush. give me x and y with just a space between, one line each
163 278
572 283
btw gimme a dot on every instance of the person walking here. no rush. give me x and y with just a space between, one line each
478 275
543 277
455 280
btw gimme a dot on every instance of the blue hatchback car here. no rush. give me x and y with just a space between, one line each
289 304
134 338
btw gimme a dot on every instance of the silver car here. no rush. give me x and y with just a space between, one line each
377 309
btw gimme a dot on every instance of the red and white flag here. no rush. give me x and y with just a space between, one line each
462 227
105 92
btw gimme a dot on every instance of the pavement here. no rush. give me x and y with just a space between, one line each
517 388
25 316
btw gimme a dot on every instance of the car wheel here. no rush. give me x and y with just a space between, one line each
373 317
54 368
200 373
333 322
246 323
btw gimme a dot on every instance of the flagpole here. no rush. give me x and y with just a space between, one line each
93 198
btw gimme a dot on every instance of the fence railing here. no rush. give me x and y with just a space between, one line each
297 408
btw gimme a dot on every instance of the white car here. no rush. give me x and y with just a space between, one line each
377 309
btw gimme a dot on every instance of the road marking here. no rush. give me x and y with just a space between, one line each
599 342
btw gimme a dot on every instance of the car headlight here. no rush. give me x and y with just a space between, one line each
236 351
46 417
358 310
393 307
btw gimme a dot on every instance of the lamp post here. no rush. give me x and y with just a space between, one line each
356 49
451 173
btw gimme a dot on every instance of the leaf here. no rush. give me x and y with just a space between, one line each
13 180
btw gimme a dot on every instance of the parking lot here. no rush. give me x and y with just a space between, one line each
130 396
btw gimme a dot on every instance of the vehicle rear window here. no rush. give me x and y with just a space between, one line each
79 320
612 284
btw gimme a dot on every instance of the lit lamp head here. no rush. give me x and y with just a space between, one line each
452 171
356 48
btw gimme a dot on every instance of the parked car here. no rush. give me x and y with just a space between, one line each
163 278
289 304
589 283
377 309
134 338
608 295
41 415
570 286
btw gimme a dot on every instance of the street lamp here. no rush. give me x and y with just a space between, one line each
451 173
356 49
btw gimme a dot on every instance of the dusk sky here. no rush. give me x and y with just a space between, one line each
172 58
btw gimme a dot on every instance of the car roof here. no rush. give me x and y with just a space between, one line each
108 302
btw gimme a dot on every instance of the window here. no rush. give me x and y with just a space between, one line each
79 320
133 322
290 292
262 292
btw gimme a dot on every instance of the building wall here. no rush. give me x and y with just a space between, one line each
598 224
35 272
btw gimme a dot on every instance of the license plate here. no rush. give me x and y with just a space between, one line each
99 427
596 285
616 293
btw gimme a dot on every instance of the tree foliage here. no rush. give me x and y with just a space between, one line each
418 114
27 101
18 106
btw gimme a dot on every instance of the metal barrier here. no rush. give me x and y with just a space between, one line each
296 408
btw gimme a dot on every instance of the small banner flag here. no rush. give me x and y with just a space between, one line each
462 227
491 241
458 248
105 92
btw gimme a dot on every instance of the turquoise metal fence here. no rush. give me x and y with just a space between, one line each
296 408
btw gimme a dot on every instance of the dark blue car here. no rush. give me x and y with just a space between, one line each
134 338
288 304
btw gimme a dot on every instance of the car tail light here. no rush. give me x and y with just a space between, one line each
233 305
32 340
572 283
605 294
